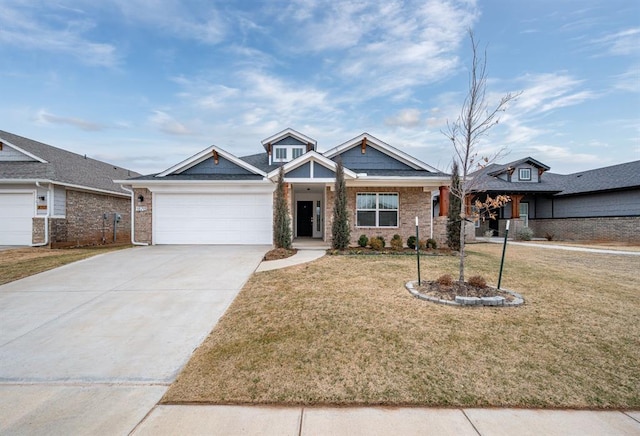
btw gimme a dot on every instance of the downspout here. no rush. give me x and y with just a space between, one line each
46 217
431 220
133 225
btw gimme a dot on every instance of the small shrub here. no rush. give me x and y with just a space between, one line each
384 243
477 281
422 244
411 242
376 244
363 240
445 280
431 243
525 234
549 236
396 243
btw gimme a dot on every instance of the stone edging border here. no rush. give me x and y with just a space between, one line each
470 301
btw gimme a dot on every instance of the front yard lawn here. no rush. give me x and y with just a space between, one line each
344 331
18 263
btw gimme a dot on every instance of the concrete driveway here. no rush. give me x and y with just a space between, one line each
89 348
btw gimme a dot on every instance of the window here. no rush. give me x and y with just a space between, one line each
297 152
524 174
376 210
524 213
281 153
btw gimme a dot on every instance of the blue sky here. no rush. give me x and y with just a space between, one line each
147 83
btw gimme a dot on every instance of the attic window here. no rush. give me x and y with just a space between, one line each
297 152
524 174
281 153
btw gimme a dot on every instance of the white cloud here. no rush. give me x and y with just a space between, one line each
33 29
198 20
623 43
548 91
405 118
167 124
47 118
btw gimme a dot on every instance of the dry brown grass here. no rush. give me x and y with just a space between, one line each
344 331
19 263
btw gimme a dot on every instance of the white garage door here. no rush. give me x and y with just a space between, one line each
16 212
213 218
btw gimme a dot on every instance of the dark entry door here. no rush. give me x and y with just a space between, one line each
303 220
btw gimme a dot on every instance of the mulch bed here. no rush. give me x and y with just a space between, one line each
449 292
280 253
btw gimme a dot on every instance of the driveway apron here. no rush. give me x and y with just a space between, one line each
90 347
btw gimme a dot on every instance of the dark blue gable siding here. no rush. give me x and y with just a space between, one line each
322 172
209 167
289 140
371 160
302 172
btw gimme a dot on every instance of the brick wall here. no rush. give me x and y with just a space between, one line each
38 231
143 215
413 202
85 224
616 229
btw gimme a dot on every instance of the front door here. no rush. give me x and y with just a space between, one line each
304 219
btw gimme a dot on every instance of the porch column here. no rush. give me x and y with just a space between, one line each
515 205
444 200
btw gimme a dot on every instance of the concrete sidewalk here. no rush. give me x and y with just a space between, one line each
303 421
495 240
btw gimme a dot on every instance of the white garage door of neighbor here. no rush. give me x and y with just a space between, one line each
213 218
16 213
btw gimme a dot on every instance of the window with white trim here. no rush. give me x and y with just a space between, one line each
297 152
281 153
524 213
524 174
375 209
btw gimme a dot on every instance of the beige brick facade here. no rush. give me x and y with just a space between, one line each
143 214
413 201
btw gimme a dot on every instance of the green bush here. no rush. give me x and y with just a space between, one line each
363 240
431 243
376 243
396 243
384 243
525 234
411 242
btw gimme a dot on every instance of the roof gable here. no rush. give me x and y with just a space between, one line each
298 167
513 165
213 160
12 153
288 136
364 141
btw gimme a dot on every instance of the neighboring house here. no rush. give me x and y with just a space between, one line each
50 196
600 204
215 197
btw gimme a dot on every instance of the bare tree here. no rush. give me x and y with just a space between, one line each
475 120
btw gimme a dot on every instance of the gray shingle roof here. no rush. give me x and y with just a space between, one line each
613 178
616 177
62 166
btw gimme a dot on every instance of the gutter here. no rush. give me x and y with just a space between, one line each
133 224
46 217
